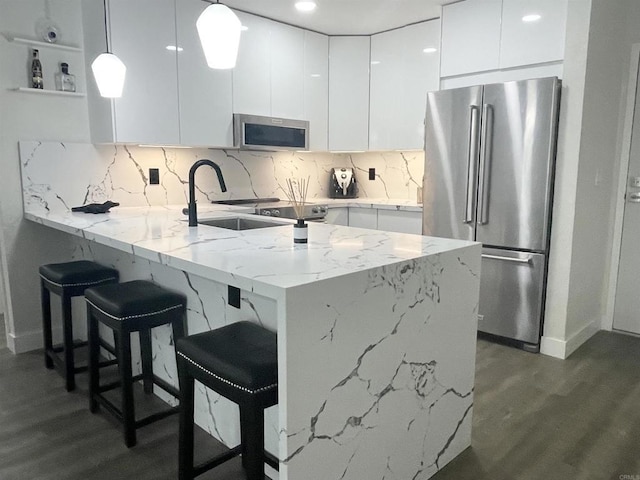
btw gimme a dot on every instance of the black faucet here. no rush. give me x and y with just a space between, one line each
193 213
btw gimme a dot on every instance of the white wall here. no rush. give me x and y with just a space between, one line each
596 68
22 117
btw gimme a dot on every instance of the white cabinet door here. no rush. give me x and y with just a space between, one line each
470 37
140 33
400 221
363 218
252 74
349 93
316 88
536 40
287 66
205 94
405 65
338 216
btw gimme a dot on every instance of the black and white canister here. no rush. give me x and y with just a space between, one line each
300 232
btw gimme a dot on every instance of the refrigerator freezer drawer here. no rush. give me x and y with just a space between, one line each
511 294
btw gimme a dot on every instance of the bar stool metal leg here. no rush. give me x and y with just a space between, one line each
146 356
128 412
185 447
93 338
252 419
67 332
45 300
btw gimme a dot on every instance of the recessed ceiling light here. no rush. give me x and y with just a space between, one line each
375 62
315 75
305 6
173 48
430 50
244 28
534 17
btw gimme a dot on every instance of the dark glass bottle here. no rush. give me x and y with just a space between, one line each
36 71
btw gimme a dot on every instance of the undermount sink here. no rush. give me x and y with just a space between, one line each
240 223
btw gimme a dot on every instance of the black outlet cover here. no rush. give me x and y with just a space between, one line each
154 176
372 174
234 296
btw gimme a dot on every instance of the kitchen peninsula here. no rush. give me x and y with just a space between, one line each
376 330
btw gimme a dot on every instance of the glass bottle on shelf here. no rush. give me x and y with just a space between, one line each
36 71
65 81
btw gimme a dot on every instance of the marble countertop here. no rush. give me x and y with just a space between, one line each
265 260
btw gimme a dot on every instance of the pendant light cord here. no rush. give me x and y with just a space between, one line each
106 27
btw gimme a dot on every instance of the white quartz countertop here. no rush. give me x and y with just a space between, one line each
264 260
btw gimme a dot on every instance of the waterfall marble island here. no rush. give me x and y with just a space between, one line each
376 330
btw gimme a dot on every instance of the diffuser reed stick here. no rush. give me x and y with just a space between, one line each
296 192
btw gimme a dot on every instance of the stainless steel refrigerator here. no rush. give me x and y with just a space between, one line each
489 162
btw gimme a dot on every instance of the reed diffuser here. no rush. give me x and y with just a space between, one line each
296 192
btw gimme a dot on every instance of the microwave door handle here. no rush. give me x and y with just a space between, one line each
485 165
471 165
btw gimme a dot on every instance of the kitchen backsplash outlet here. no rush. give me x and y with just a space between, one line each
119 173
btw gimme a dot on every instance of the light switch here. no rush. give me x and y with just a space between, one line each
634 182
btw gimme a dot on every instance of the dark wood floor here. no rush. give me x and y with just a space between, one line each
535 418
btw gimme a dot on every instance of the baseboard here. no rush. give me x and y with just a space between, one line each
555 347
29 341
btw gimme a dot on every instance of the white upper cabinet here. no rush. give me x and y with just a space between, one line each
404 67
205 94
252 74
140 31
470 37
316 88
533 31
140 34
287 70
349 93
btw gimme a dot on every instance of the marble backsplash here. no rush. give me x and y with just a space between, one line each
59 175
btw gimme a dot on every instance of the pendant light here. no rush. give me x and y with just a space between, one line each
108 69
219 30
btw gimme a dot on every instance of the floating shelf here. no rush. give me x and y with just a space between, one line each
57 46
37 91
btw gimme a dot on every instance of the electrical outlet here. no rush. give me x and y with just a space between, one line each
372 174
154 176
234 296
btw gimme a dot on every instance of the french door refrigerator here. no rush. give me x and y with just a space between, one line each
489 162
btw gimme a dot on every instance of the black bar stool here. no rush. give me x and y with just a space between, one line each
136 306
67 280
240 362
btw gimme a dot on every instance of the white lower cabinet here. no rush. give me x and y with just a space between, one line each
363 218
338 216
401 221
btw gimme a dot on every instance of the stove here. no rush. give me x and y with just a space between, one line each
274 207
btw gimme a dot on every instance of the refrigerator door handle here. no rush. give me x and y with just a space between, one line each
471 165
485 167
508 259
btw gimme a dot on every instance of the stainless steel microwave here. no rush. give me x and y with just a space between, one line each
253 132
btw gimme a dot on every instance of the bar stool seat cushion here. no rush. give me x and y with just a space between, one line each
78 273
242 355
135 299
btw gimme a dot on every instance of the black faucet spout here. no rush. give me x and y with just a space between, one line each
193 212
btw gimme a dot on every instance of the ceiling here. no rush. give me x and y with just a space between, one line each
345 17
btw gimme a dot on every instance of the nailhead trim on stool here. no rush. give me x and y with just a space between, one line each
67 280
240 362
136 306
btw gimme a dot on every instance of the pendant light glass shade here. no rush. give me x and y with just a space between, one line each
109 72
219 31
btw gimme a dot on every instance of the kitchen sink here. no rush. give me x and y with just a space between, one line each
240 223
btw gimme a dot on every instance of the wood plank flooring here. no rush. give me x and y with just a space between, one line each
535 418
